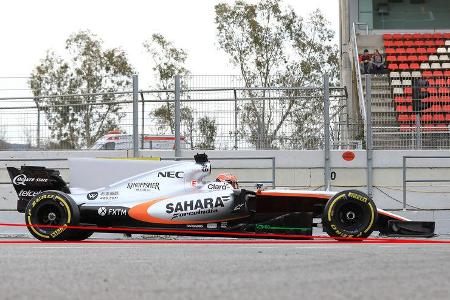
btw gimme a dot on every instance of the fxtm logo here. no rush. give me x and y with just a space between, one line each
92 196
171 174
103 211
22 179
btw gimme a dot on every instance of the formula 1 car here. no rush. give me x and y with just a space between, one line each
174 199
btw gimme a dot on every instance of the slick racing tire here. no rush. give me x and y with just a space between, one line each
55 209
349 214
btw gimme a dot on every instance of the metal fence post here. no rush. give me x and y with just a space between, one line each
404 182
235 120
135 116
418 133
326 129
38 133
177 115
369 142
143 120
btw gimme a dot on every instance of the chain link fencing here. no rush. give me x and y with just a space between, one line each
216 112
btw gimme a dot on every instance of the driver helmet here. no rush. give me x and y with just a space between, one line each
230 178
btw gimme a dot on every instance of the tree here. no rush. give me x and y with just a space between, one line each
169 61
272 46
78 121
208 131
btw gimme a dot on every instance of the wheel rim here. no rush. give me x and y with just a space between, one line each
350 217
49 214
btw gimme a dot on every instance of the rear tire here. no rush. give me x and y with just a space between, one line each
349 214
52 208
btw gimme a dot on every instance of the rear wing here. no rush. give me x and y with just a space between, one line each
29 181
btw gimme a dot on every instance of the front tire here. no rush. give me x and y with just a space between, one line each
52 208
349 214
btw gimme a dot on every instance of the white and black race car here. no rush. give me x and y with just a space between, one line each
175 199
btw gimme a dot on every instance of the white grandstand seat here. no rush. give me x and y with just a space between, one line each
394 74
441 50
433 58
405 74
443 57
416 74
447 43
435 66
396 82
397 91
445 65
425 66
406 82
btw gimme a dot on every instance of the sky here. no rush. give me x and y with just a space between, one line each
31 27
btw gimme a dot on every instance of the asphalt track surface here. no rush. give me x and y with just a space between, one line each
261 270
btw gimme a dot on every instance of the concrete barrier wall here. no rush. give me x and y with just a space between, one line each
294 169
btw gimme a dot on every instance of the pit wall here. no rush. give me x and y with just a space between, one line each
294 169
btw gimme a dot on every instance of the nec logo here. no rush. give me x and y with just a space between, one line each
171 174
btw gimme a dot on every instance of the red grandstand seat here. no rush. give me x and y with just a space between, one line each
426 118
407 90
414 66
439 43
447 73
440 82
400 50
446 35
435 108
404 118
431 82
387 36
389 44
427 36
391 58
444 91
403 66
421 51
448 80
399 44
422 58
438 118
432 90
413 58
408 43
397 36
431 50
402 58
410 50
403 108
417 36
447 117
444 99
437 35
427 74
393 67
429 43
419 43
438 73
407 36
390 51
446 108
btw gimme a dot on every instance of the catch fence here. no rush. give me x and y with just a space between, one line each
205 112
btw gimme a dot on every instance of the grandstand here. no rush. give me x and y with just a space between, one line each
410 101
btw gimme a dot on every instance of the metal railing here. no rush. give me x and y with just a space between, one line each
208 112
405 180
